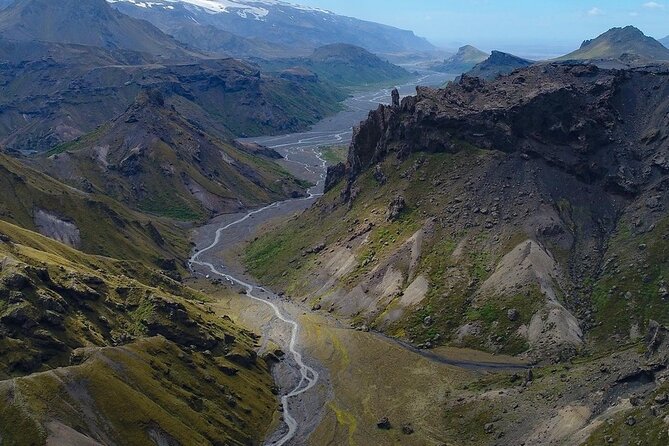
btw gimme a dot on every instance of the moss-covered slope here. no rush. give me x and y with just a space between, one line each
95 350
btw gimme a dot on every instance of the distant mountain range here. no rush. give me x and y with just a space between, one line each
89 23
617 47
626 44
261 22
70 66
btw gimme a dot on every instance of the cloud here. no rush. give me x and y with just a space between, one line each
653 5
595 11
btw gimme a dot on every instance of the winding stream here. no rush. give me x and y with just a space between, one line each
309 376
301 151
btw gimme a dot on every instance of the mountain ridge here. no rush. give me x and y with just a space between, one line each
155 160
72 22
462 61
445 194
127 338
628 44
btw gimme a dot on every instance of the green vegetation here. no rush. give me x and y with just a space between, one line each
76 144
148 388
164 204
335 154
453 282
464 60
382 241
619 43
106 227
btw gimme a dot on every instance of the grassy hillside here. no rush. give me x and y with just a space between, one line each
378 266
627 44
94 349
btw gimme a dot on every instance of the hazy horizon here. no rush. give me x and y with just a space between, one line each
526 27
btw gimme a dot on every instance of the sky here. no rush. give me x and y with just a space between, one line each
529 27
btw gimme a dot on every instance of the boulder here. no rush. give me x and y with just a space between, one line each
396 207
379 176
16 281
241 356
653 336
513 315
384 424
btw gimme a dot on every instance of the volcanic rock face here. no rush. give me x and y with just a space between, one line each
59 96
572 117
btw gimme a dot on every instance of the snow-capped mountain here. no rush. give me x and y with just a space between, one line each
285 25
256 9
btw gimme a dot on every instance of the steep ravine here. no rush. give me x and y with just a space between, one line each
303 152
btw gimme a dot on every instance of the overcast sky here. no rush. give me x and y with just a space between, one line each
529 25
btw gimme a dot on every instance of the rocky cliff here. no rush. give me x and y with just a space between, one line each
583 120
